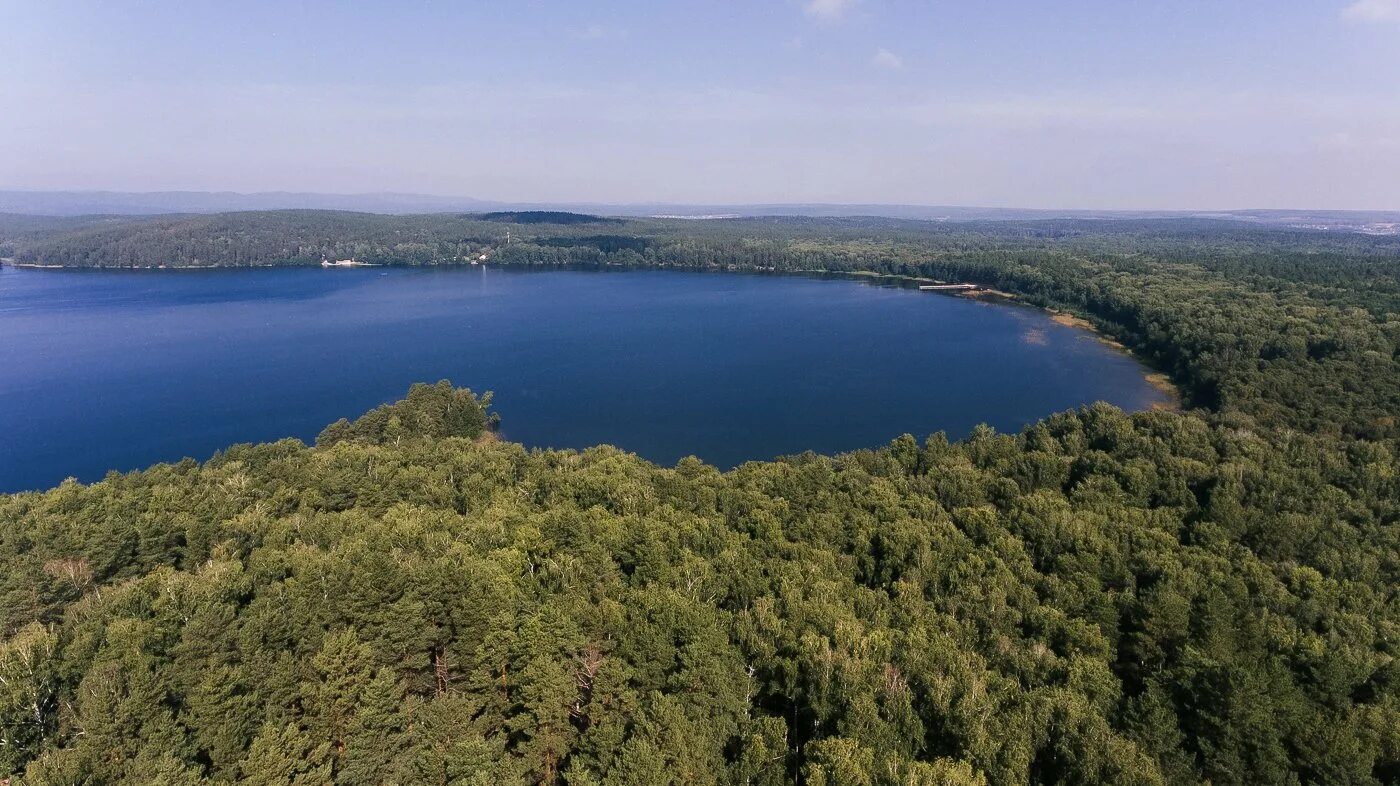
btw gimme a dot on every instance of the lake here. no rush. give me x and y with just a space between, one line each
108 370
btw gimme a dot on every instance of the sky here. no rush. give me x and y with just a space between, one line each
1101 104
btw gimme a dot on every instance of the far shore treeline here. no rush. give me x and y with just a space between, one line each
1164 597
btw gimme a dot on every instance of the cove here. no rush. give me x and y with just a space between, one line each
103 370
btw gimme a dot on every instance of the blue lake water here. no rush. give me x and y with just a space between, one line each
108 370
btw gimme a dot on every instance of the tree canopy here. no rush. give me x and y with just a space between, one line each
1101 598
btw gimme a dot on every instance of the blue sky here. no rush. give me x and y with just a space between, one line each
1080 103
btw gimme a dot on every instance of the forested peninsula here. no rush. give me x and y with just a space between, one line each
1205 596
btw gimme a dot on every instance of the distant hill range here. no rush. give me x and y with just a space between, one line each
77 203
81 203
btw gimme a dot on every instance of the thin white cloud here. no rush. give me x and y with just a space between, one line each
827 10
597 32
1373 11
1041 112
884 58
1361 144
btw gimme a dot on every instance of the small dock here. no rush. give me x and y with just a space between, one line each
946 287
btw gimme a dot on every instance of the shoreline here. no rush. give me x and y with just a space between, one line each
1156 378
37 266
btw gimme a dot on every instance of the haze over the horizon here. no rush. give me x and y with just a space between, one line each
1084 104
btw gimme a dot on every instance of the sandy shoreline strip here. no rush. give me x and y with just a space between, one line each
1156 379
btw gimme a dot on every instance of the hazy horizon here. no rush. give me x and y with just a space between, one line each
487 203
1089 105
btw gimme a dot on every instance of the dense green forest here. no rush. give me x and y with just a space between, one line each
1209 596
1103 598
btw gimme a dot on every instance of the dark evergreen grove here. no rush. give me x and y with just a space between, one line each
1209 596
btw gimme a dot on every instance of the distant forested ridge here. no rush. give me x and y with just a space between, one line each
546 217
1177 598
